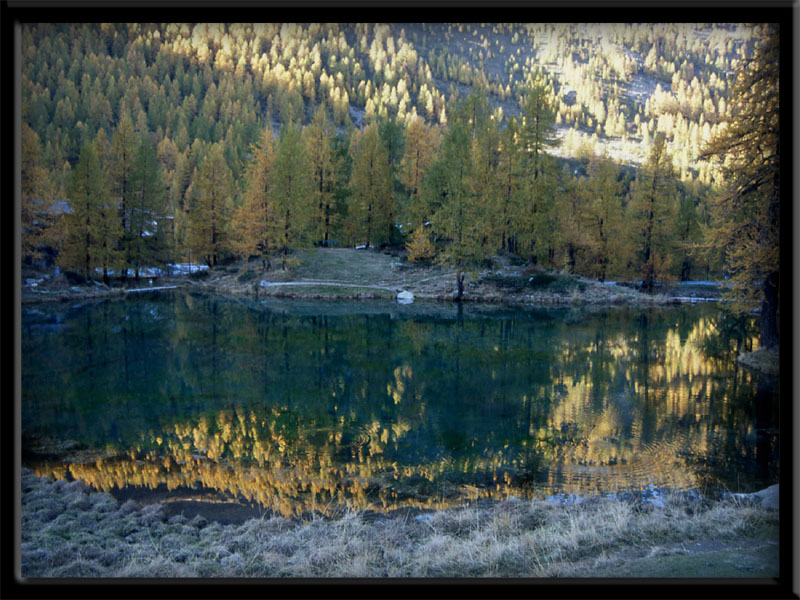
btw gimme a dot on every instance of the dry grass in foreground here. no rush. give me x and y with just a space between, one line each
70 531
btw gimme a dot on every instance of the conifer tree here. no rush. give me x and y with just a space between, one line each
456 212
507 198
92 227
124 143
371 204
485 179
317 137
422 141
651 212
605 226
687 232
747 209
149 227
420 247
571 235
290 189
253 225
211 192
536 135
392 133
37 204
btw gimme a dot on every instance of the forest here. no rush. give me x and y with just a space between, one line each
614 151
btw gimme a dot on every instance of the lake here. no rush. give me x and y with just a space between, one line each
293 406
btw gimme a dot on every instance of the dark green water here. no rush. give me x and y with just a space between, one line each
295 406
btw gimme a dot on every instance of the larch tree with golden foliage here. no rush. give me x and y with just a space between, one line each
253 224
605 224
92 228
747 208
448 187
317 138
37 208
371 206
209 206
119 169
422 141
652 214
290 191
535 136
420 247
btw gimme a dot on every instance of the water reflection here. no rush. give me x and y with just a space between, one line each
315 408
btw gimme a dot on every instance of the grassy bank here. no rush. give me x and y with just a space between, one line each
71 531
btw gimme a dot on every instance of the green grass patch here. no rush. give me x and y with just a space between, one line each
329 291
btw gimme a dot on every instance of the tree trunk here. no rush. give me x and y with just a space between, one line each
571 258
686 269
769 312
285 240
459 285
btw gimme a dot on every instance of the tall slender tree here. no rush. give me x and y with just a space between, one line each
253 224
124 143
290 188
422 142
371 206
149 226
747 208
536 135
37 204
318 137
211 193
456 212
605 226
92 227
509 178
652 211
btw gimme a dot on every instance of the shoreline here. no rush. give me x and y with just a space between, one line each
491 287
71 530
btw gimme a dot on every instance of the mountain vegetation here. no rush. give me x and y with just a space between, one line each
616 151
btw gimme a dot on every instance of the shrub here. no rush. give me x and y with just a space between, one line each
564 284
506 282
540 280
199 274
75 278
247 276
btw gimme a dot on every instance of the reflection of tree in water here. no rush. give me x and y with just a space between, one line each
303 413
729 334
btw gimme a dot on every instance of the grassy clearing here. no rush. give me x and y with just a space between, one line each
500 280
327 292
70 531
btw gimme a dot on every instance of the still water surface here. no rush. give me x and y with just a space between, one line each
297 406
